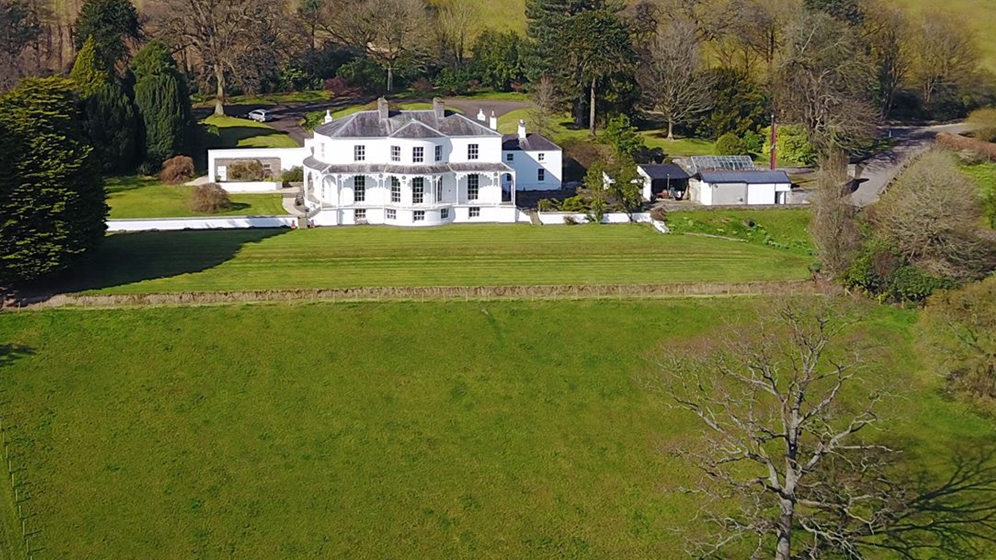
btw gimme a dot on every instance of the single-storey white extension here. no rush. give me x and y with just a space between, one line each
411 168
663 180
715 188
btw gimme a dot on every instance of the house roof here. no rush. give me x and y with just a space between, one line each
748 177
531 143
664 171
403 124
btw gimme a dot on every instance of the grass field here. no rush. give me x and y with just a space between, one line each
144 197
785 229
984 175
476 430
466 255
244 133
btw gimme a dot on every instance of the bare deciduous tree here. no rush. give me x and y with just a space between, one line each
231 37
887 32
545 99
458 25
931 215
787 470
961 325
944 53
674 85
834 226
823 83
770 399
386 30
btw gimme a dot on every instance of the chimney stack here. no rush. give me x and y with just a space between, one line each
439 108
480 116
522 129
382 109
494 121
328 116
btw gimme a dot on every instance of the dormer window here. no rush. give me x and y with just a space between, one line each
418 154
395 153
472 151
359 152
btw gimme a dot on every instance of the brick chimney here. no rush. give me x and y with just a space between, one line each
439 108
383 110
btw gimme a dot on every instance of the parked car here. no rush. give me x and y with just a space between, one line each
261 115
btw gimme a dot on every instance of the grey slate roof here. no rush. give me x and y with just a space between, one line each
749 177
403 124
664 171
532 143
369 168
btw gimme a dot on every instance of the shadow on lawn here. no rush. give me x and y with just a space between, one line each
128 258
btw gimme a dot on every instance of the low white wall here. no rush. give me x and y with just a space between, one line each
250 186
226 222
557 218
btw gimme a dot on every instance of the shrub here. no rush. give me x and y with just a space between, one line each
176 170
548 205
340 87
251 170
293 175
793 145
983 122
575 204
909 284
730 145
422 86
570 221
209 198
658 214
365 74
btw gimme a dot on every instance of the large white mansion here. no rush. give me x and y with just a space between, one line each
413 168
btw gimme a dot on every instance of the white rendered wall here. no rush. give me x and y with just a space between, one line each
250 186
229 222
289 157
527 164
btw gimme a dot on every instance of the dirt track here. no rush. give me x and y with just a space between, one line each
483 293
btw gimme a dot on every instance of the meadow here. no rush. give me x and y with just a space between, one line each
136 196
457 430
464 255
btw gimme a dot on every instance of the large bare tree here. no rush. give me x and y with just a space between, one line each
770 397
886 30
823 82
944 53
230 37
386 30
674 85
458 24
785 401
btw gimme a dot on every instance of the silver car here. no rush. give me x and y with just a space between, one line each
261 115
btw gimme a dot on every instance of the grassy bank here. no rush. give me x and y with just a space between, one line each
513 430
783 229
244 133
485 255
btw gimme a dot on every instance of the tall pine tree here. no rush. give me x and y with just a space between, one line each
110 123
52 199
163 103
110 23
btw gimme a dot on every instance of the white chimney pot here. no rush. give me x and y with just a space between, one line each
480 115
522 129
328 116
494 121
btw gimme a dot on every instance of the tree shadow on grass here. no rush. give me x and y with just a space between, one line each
128 258
231 136
10 353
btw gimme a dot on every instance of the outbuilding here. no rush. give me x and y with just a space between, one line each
666 180
754 187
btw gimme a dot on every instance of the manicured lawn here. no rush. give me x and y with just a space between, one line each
679 146
464 255
785 229
244 133
268 98
389 431
144 197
